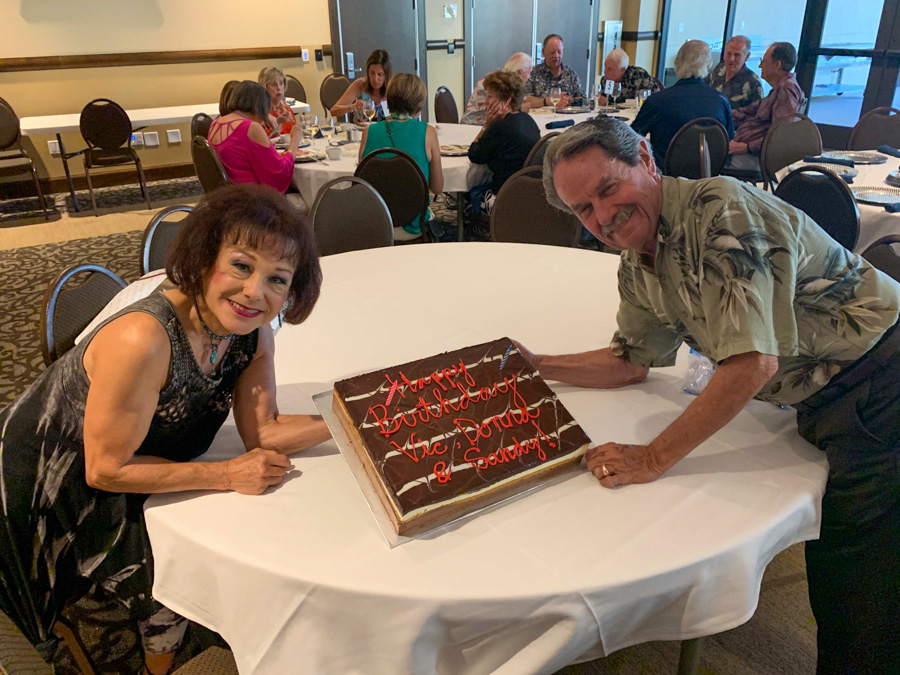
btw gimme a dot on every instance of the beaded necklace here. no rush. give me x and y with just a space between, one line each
214 340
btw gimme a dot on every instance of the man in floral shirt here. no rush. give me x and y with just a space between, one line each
733 78
790 317
631 78
552 73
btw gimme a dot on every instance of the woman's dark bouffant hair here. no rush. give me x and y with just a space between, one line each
378 58
256 216
250 97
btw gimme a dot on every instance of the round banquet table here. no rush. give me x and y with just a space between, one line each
301 580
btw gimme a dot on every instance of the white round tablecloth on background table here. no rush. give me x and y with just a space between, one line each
300 580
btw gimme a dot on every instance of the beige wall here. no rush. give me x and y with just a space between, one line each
63 27
445 70
636 15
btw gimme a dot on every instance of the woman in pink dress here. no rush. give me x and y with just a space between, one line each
243 146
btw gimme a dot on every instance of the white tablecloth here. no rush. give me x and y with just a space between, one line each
460 175
300 579
874 221
140 117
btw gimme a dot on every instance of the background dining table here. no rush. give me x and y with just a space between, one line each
460 175
300 578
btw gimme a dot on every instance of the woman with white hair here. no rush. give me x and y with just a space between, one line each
476 110
666 111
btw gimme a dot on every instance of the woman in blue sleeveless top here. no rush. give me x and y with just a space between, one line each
372 87
405 96
120 415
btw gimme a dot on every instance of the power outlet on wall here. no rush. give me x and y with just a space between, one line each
137 139
151 139
173 136
53 147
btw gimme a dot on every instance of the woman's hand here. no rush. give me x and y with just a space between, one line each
253 472
495 110
616 464
296 137
358 106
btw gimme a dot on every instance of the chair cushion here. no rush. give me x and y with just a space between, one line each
14 166
100 157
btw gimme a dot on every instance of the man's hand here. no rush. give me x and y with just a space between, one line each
616 464
564 101
736 148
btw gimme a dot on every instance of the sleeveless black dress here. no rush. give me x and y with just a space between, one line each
58 535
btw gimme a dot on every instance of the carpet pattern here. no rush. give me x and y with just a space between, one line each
109 197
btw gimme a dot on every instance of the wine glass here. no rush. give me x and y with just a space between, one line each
616 90
369 109
642 96
311 123
555 96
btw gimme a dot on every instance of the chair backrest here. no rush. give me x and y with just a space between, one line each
538 150
445 110
207 164
17 655
10 132
348 214
825 197
522 214
331 90
683 157
656 81
882 255
69 307
877 127
105 124
789 139
293 88
200 125
157 237
399 181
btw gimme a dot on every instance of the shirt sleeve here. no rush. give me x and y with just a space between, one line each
576 81
529 87
270 167
487 146
787 101
746 112
647 118
642 338
476 107
746 289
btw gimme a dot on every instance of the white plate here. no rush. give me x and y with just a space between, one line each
311 156
857 156
284 146
454 150
879 196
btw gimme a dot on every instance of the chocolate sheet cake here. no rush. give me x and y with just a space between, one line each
449 434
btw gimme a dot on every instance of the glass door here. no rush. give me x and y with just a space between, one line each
849 60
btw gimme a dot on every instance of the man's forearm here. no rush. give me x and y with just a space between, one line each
535 101
598 369
737 380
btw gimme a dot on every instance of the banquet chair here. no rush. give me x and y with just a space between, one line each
538 150
400 182
445 110
200 124
348 214
14 161
17 655
293 89
331 90
789 139
825 197
656 81
885 255
877 127
158 236
521 213
208 166
107 130
69 306
699 149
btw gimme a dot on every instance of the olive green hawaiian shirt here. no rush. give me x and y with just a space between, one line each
737 270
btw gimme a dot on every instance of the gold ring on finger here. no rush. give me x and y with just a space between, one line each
605 470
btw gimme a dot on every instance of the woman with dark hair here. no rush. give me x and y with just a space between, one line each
223 97
120 415
372 87
242 144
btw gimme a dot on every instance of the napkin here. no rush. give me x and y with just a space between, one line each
888 150
892 208
829 160
559 124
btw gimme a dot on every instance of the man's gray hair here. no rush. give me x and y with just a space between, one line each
618 56
518 61
742 40
693 60
616 139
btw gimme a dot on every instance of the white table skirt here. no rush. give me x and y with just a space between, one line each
874 221
460 175
140 117
300 579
